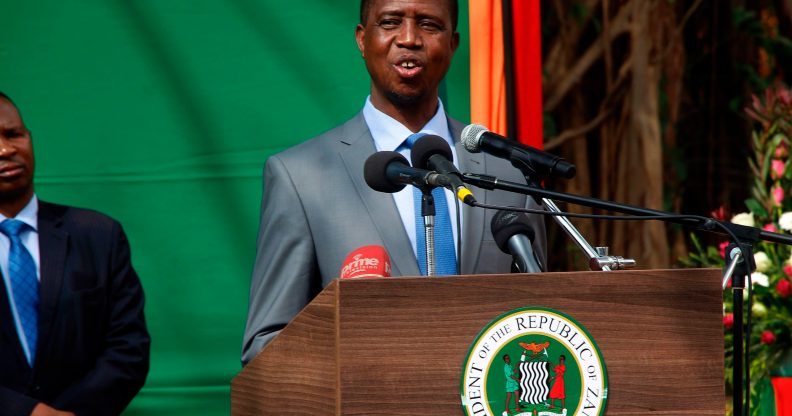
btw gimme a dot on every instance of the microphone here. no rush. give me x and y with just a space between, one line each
389 172
366 261
514 237
433 153
477 138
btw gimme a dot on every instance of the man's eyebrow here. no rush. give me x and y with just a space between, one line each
430 17
401 13
386 12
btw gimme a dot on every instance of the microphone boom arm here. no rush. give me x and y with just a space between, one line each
598 258
596 262
742 232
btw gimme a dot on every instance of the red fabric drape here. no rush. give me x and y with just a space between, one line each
528 71
782 386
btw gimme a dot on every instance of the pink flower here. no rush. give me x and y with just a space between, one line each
778 195
777 167
784 288
781 151
728 320
788 270
767 337
720 214
785 96
770 227
722 248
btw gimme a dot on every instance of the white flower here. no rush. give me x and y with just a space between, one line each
759 278
785 221
747 219
763 262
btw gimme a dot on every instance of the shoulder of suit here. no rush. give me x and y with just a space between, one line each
456 127
75 216
320 146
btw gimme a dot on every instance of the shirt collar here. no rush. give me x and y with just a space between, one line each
389 134
28 215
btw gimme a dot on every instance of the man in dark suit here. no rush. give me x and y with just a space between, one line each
73 339
317 207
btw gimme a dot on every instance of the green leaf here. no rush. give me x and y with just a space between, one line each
756 208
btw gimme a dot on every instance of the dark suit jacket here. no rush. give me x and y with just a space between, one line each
317 208
93 349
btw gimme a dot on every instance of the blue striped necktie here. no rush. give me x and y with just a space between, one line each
24 284
445 249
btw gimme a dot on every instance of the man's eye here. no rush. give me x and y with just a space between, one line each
388 23
430 26
12 134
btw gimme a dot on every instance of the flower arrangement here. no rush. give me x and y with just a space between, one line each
770 208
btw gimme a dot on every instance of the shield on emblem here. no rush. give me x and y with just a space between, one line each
534 381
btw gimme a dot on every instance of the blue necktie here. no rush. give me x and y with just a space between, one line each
24 283
445 250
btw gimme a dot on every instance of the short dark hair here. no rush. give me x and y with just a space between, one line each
365 5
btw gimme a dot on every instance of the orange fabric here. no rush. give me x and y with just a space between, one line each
487 80
782 386
527 23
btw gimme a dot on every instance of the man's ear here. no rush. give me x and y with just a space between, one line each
360 38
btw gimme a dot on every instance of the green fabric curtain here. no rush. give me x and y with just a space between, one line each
161 114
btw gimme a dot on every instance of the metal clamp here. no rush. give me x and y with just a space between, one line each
603 260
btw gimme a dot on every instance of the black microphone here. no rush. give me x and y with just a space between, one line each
514 237
389 172
477 138
433 153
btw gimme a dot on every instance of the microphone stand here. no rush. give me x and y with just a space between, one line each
598 259
746 236
738 269
428 213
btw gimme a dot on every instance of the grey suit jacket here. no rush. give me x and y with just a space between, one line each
317 208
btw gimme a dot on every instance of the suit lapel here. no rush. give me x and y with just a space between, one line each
53 243
380 206
473 222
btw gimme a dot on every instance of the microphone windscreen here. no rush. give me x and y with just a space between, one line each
375 171
471 135
505 224
366 261
428 146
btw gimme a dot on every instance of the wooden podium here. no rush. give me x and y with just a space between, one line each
396 346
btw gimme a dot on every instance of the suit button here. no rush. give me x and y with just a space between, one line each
36 388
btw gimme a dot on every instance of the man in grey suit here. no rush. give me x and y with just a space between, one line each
317 207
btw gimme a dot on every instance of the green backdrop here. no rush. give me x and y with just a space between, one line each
161 113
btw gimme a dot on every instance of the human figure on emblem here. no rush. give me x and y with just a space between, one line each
557 392
512 384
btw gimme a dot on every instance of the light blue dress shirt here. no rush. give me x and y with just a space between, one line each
389 134
28 215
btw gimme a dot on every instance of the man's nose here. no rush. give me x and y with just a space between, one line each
6 147
410 34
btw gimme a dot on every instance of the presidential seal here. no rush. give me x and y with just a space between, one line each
534 361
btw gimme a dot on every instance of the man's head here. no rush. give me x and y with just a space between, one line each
407 46
16 158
